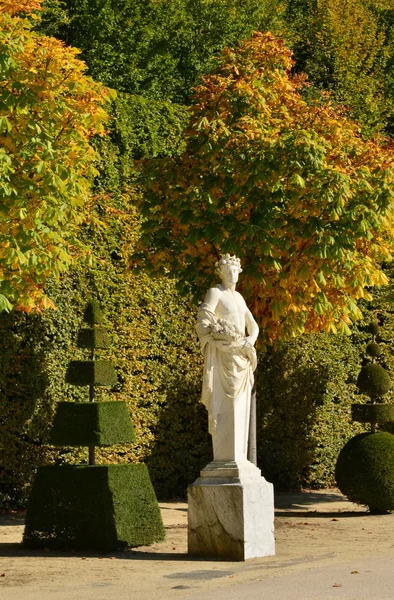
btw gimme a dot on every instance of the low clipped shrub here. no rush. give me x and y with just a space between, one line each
101 507
92 424
373 413
365 471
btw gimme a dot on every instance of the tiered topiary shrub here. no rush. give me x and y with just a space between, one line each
101 507
365 466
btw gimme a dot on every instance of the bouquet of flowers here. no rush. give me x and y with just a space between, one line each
226 331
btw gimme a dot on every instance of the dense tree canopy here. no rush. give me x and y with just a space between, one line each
288 185
157 48
346 48
49 109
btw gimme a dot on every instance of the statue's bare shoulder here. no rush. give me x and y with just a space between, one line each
239 296
212 297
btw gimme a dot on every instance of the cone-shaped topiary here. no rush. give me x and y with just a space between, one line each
92 424
104 507
101 507
374 381
93 338
91 372
93 315
365 471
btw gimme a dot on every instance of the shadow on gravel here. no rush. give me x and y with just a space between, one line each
9 520
294 499
17 550
322 515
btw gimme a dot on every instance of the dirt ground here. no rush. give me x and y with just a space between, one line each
313 529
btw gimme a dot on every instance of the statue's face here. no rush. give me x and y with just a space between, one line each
229 274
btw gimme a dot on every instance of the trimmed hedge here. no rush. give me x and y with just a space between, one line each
374 381
365 471
91 424
93 314
373 413
104 508
93 338
305 389
86 372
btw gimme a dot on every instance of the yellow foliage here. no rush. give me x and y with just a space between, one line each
292 189
49 111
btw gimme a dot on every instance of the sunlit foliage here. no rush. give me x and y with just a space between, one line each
49 109
288 185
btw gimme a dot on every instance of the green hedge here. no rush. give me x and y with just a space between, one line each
373 413
365 471
91 424
89 372
93 338
304 393
104 508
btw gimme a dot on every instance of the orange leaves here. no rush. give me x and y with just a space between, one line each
49 111
287 185
13 7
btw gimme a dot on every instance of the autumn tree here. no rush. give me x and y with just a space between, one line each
49 109
287 185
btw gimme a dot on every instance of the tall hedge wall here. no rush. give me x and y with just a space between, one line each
304 389
305 392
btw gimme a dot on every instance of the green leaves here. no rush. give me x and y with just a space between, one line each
156 48
297 180
45 159
292 189
5 305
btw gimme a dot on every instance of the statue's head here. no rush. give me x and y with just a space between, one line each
228 266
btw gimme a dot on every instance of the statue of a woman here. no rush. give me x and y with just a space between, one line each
230 359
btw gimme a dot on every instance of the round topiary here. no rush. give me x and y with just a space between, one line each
373 328
373 380
373 349
365 471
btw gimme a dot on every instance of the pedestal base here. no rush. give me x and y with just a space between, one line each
231 520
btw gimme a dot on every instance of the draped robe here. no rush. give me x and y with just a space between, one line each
227 385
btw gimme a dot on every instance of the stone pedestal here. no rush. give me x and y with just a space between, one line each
231 512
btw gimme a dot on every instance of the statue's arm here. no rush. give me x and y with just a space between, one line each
251 327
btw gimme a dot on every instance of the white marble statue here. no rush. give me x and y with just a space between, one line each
229 362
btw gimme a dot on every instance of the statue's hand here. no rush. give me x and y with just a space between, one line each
249 341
